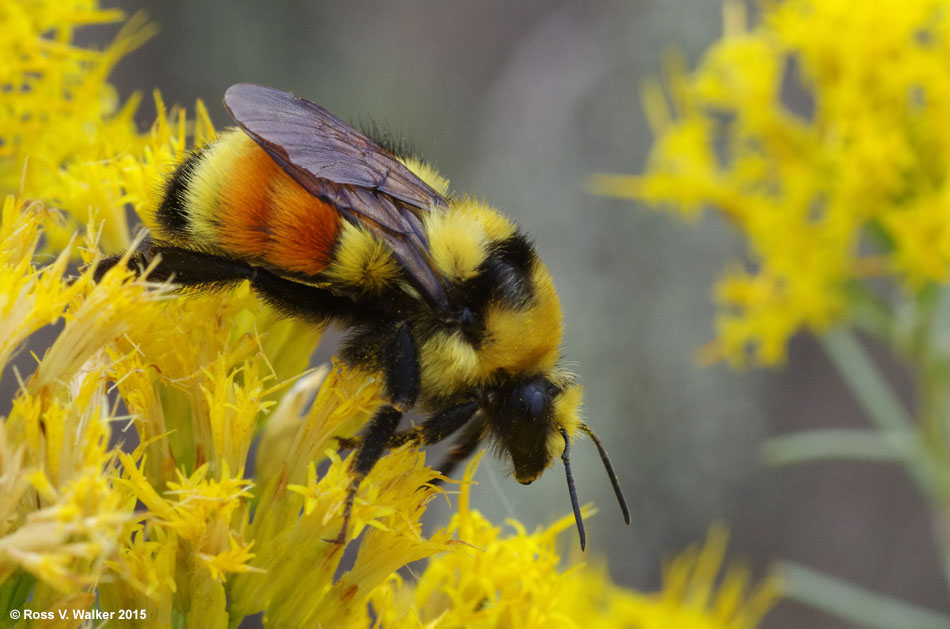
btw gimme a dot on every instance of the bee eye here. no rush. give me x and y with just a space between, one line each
521 404
535 401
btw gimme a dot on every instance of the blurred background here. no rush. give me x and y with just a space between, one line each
519 103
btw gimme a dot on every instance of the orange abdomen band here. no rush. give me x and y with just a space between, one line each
264 214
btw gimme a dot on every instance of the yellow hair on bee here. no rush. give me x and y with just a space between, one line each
427 173
362 260
239 200
525 340
459 238
494 226
457 244
208 181
567 415
447 362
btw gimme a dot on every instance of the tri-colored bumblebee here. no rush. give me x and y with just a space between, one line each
444 298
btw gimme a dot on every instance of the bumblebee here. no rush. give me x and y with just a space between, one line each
444 298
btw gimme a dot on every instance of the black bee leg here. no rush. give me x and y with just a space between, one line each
300 300
194 269
370 450
437 427
347 443
400 364
183 266
432 430
462 448
137 260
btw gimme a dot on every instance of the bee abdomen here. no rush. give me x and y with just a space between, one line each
172 215
233 198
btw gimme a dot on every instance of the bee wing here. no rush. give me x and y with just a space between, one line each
338 164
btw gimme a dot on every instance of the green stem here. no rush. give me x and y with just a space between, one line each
880 403
932 360
884 409
852 603
870 388
835 443
872 313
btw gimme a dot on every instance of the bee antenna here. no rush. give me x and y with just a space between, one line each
610 471
566 457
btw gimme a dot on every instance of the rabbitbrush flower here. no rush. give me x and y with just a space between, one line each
821 135
126 475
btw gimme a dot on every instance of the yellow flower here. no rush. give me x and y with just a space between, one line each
491 580
691 597
61 517
847 179
197 376
61 107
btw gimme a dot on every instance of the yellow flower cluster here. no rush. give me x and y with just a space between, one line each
164 511
59 86
513 581
821 135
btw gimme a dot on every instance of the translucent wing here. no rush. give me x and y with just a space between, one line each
340 165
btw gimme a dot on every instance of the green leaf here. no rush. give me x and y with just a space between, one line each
13 594
853 603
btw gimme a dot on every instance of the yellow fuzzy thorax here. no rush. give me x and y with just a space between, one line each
459 238
427 173
518 341
527 340
459 241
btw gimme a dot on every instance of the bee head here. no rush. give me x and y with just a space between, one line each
534 419
527 418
